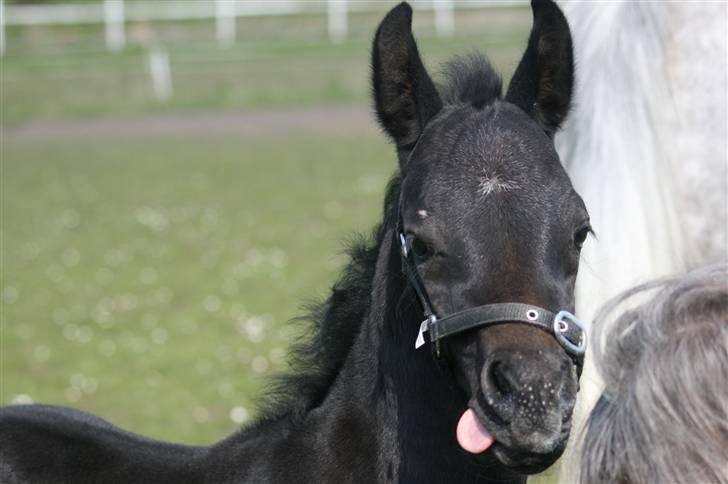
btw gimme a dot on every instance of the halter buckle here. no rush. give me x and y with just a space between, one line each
424 327
561 328
403 245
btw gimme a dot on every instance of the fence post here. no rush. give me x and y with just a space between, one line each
444 18
338 22
225 22
161 73
114 20
2 27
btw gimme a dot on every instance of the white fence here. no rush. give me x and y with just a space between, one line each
115 13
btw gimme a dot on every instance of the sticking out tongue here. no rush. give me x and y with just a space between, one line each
471 434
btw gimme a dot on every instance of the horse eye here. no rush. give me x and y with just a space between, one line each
420 249
581 235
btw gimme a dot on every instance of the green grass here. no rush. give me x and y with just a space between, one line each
156 274
65 72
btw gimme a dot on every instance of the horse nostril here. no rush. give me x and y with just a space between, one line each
499 379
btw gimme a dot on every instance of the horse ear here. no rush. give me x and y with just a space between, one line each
405 98
543 82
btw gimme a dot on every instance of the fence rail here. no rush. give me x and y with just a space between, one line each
114 14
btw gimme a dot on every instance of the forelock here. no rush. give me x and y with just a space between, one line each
471 79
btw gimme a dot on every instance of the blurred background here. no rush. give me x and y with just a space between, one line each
178 178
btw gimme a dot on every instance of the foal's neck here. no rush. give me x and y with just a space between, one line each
409 399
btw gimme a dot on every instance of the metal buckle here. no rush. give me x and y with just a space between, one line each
424 327
561 326
403 245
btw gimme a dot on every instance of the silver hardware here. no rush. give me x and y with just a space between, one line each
403 244
561 325
424 327
532 315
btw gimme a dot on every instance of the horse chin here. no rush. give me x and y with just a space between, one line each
518 456
525 462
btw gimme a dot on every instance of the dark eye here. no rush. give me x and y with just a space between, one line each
581 235
421 249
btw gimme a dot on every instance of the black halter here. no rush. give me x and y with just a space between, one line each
564 326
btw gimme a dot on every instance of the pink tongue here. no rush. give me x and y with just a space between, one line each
471 435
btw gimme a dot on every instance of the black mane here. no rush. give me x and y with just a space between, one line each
471 79
332 324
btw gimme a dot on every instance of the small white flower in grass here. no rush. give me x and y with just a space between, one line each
55 273
103 317
139 345
200 415
41 353
60 316
369 184
209 259
85 334
107 347
203 366
73 394
42 297
332 210
239 415
210 216
10 294
255 329
149 320
71 257
128 302
21 399
90 385
70 219
278 258
259 364
148 275
159 336
150 217
225 389
30 251
154 380
70 332
277 355
244 356
212 303
164 295
224 353
104 276
230 287
253 257
24 331
115 257
189 326
77 380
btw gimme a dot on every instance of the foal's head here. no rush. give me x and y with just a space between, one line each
491 217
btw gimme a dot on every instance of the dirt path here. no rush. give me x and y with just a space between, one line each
332 119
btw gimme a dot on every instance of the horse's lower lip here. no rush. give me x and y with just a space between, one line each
528 463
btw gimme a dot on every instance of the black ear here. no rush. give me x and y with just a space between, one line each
543 82
405 97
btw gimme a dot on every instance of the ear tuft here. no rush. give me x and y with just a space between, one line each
405 98
543 83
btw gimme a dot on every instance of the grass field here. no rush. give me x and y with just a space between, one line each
148 279
65 72
150 284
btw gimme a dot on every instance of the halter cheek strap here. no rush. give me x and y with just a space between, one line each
564 326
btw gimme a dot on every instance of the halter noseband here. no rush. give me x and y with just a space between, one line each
564 326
